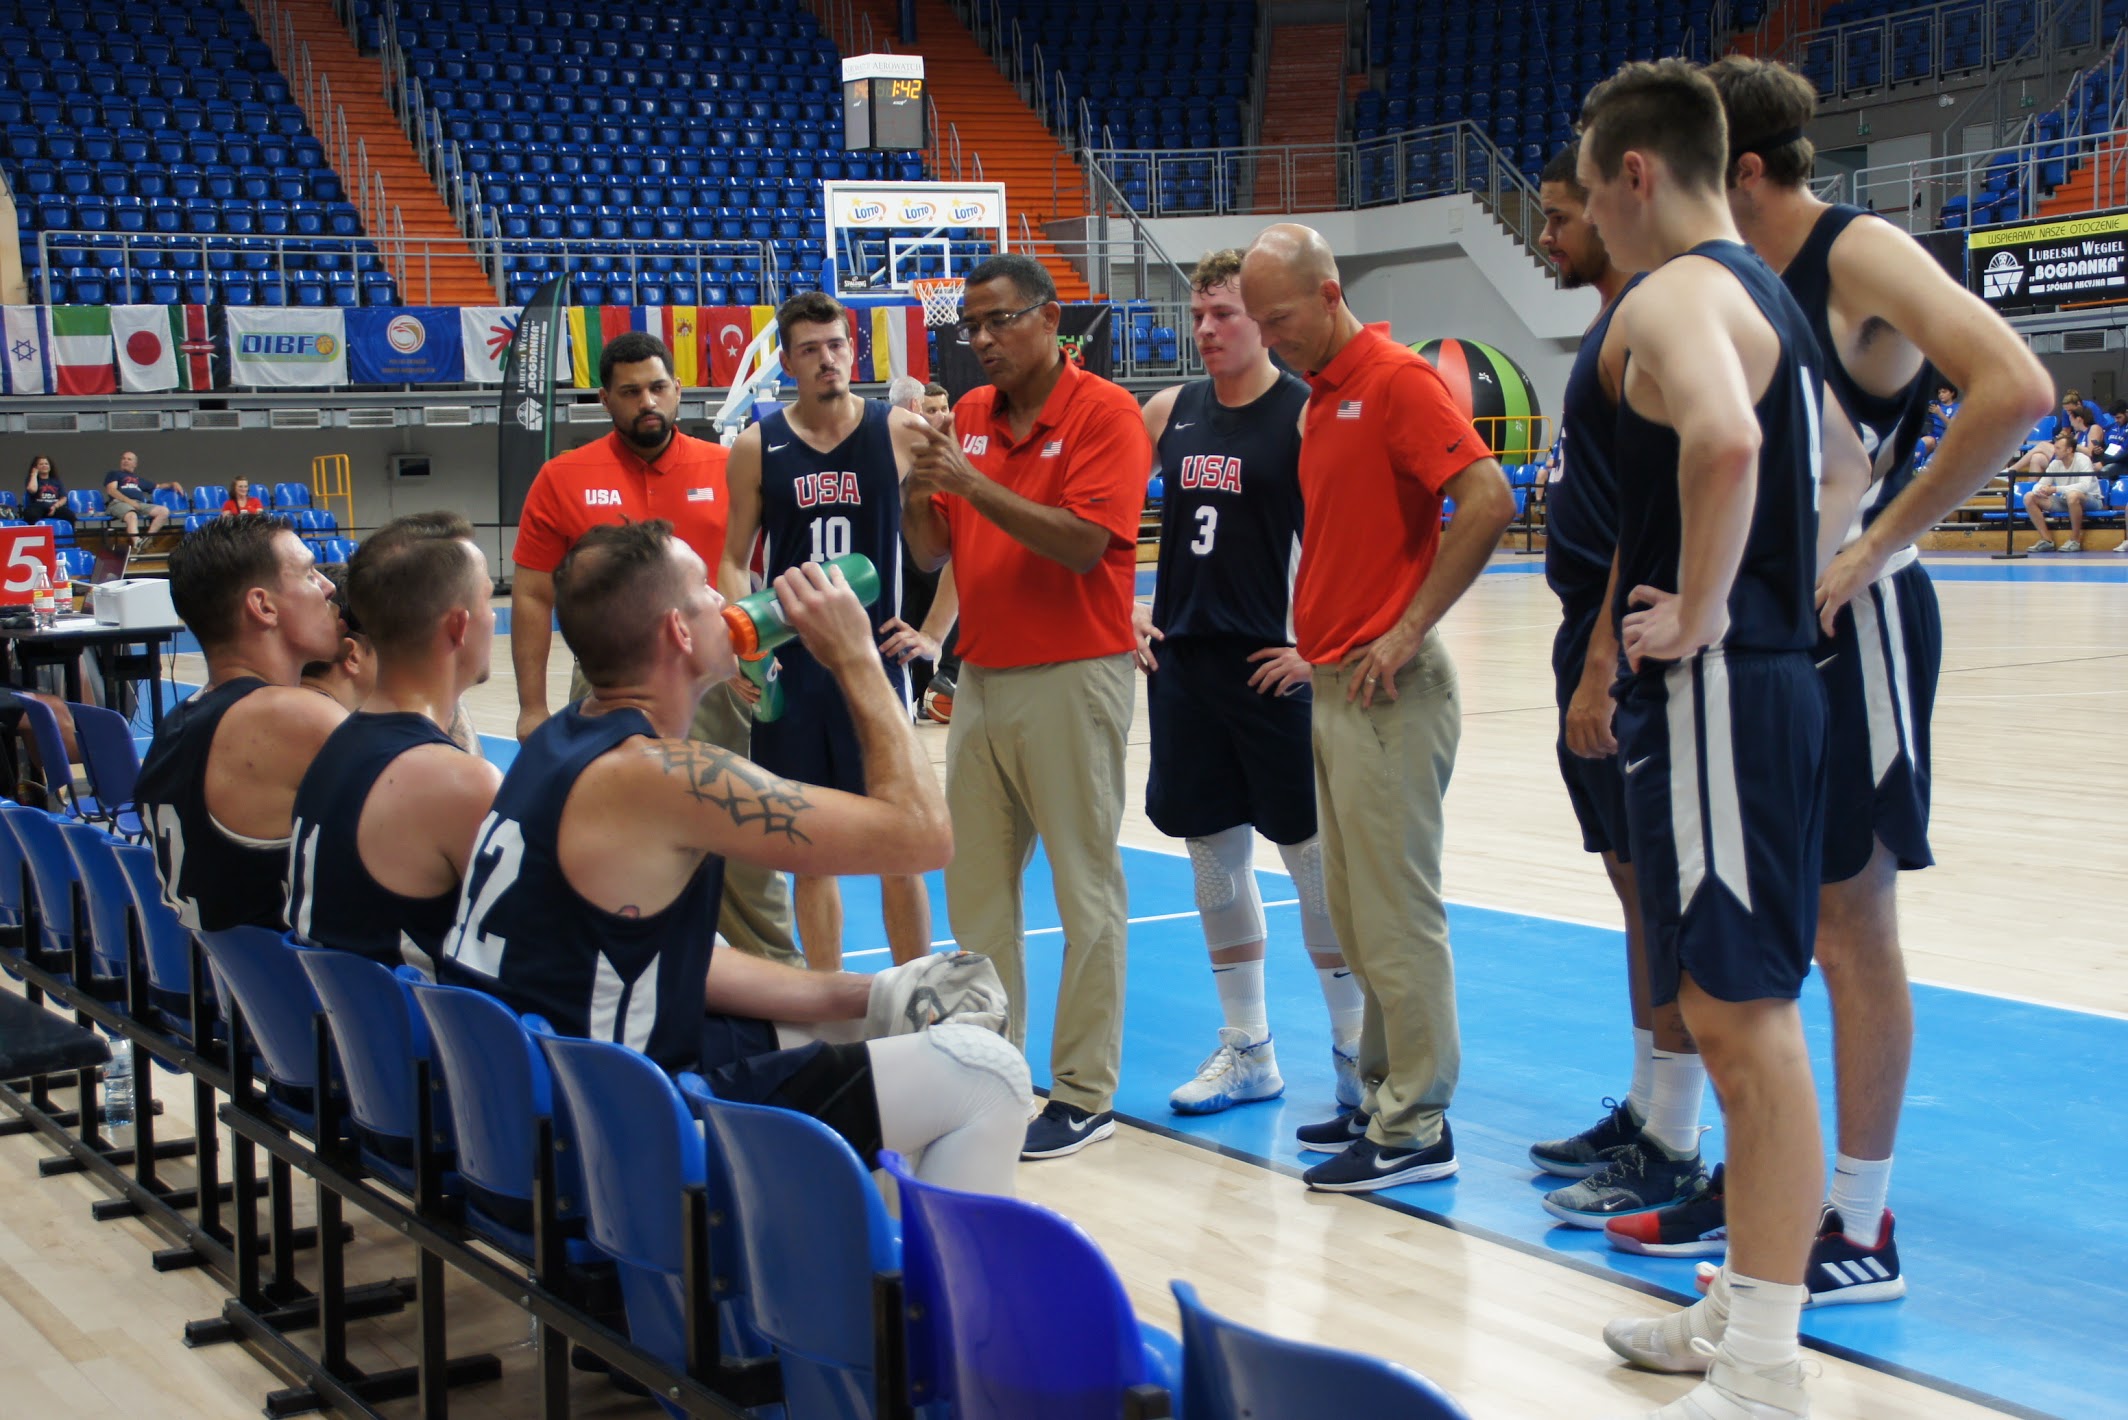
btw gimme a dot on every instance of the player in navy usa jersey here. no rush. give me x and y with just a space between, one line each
592 895
1228 694
1723 457
386 816
817 480
218 784
1645 1152
1883 313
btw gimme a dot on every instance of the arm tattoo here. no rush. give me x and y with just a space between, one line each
742 789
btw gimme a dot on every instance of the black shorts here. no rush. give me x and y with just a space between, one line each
1723 757
1879 667
1222 753
832 1083
1594 786
814 740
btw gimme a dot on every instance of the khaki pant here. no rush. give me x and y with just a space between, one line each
754 913
1380 775
1037 752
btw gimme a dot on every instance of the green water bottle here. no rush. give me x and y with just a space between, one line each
758 627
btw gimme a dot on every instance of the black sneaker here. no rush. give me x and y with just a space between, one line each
1642 1177
1333 1136
1840 1272
1696 1227
1589 1151
1366 1166
1062 1129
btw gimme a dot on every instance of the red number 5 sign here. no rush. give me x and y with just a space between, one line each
23 549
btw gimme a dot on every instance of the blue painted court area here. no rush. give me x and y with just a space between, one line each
2017 1262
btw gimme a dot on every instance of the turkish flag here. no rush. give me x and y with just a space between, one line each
726 331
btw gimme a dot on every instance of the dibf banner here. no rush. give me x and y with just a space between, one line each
287 347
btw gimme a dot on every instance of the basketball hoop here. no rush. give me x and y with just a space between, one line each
941 296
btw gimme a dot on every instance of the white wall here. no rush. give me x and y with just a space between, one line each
1437 268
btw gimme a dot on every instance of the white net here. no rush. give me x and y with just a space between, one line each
941 296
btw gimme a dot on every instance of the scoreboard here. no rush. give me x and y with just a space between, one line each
883 103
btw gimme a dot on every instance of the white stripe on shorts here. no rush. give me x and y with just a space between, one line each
1883 671
1895 645
1725 809
1687 837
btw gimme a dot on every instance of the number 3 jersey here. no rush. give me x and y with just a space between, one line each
524 934
816 506
1230 518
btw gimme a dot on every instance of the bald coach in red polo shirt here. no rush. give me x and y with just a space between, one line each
646 468
1382 446
1033 489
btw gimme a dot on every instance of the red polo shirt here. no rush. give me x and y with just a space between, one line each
605 481
1383 437
1086 453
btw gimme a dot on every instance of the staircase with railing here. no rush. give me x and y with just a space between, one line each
340 94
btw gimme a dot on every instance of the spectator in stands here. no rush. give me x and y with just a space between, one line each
2074 490
937 403
47 493
126 495
240 500
1942 410
2075 407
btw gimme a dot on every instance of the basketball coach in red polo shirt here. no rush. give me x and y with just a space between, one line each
1381 446
1033 490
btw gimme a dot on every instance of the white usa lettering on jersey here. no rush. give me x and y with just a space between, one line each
602 497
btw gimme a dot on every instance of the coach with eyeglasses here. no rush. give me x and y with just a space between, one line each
1032 489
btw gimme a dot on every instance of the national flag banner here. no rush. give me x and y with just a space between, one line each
147 361
405 345
486 333
891 339
82 359
727 331
275 347
26 333
682 333
201 357
590 327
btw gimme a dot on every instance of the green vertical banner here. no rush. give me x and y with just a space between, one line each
526 413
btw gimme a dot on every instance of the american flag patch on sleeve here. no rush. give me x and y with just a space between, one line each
701 495
1348 409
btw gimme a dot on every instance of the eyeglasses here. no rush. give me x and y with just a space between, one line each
964 330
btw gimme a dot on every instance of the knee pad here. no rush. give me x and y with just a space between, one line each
1304 863
988 1060
1227 899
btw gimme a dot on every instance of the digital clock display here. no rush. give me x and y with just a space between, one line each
905 89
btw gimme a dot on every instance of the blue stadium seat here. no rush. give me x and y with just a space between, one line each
1232 1372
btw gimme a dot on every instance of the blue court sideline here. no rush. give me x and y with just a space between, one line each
2016 1258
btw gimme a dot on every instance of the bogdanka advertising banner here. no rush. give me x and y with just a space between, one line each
2037 266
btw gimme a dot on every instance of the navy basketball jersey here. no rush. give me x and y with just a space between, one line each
332 899
1581 503
524 934
212 878
1230 520
816 506
1891 425
1770 602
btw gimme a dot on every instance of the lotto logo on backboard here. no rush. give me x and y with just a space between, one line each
967 211
918 211
867 211
2004 274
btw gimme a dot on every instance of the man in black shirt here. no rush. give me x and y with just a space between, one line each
127 495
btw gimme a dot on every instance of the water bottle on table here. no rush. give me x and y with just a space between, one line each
44 600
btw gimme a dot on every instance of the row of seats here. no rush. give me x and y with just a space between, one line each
132 123
2116 509
1864 45
434 1108
1177 78
2054 144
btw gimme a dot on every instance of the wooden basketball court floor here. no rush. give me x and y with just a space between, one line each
2013 1125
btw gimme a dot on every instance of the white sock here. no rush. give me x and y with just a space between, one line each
1241 997
1348 1008
1679 1081
1859 1188
1642 1095
1763 1317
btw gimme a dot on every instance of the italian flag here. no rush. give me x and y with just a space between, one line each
82 360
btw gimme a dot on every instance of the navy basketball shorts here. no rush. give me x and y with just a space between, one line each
1594 787
1723 757
831 1082
814 741
1880 666
1222 753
